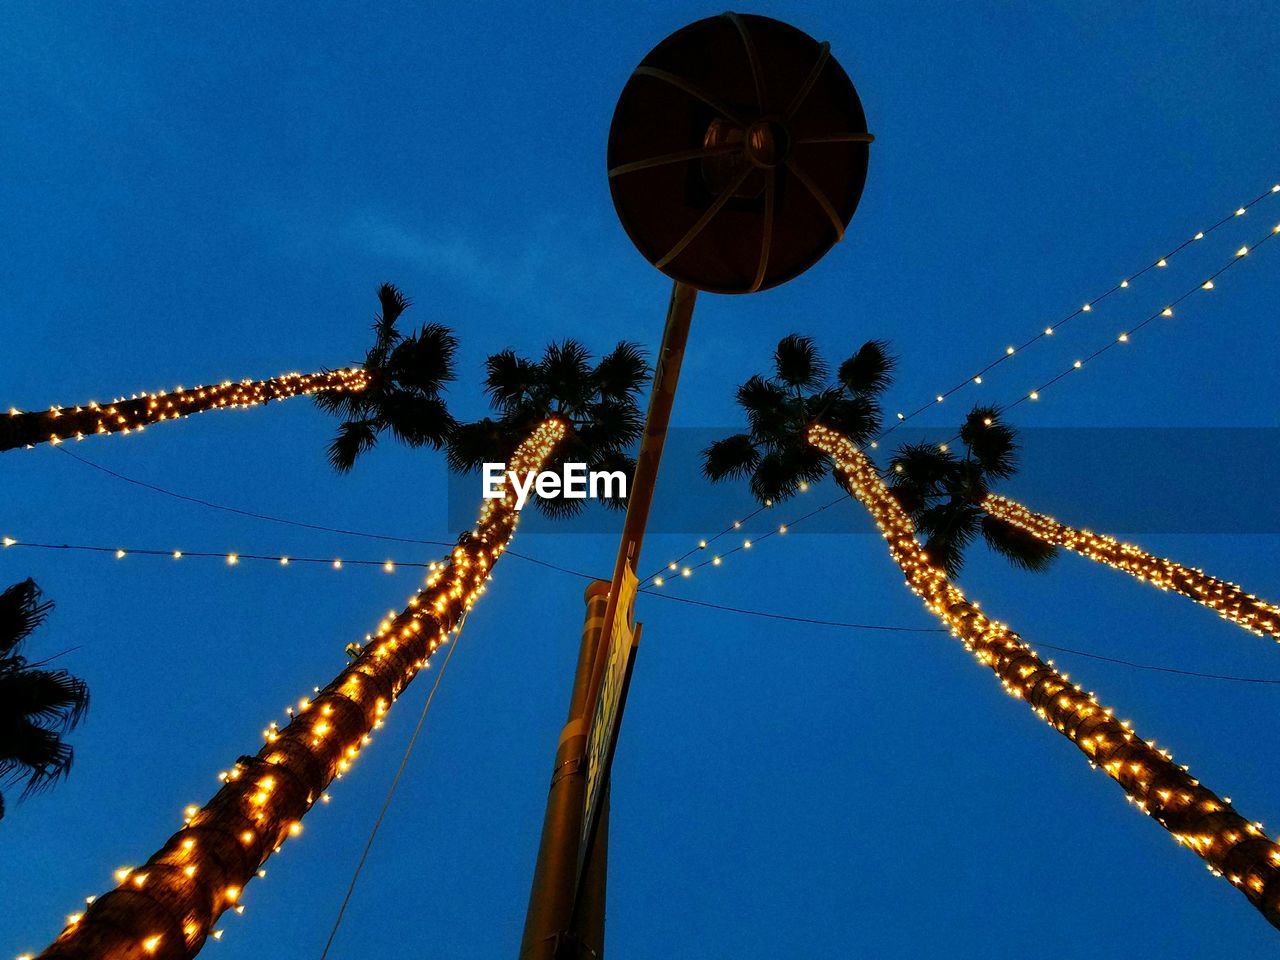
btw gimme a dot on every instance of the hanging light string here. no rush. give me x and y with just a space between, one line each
1087 307
231 557
689 601
685 569
1230 845
1228 600
170 904
27 429
1165 312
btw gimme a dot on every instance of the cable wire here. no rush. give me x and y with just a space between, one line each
390 793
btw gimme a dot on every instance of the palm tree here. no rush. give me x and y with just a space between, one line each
406 375
1197 817
774 455
943 494
598 403
950 500
37 706
27 429
167 908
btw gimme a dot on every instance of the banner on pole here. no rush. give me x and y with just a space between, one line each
603 734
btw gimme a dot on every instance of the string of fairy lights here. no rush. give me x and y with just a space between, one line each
1011 350
681 567
201 871
1231 846
1228 595
21 428
1229 600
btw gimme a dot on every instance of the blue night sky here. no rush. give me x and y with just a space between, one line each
192 195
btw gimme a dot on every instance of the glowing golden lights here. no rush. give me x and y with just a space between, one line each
264 797
1154 783
1228 600
136 413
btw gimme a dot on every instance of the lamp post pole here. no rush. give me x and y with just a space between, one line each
728 178
550 917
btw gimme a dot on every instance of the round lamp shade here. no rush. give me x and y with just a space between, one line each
737 154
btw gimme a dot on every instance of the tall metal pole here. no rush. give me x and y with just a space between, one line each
665 377
552 896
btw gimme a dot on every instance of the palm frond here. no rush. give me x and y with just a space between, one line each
354 438
344 403
923 469
991 442
393 304
37 755
622 373
54 699
484 441
869 371
769 409
730 458
778 475
611 425
798 362
416 420
856 416
1018 546
425 360
21 611
508 378
949 528
565 370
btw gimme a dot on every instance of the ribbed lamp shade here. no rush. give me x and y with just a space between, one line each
737 154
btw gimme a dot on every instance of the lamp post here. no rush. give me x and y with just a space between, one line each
737 157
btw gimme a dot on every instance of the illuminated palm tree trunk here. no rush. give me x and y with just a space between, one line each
166 908
24 429
1226 599
1197 817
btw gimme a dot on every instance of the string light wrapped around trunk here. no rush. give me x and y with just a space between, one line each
1228 600
27 429
1197 817
166 908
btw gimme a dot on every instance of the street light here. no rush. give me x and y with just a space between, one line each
737 157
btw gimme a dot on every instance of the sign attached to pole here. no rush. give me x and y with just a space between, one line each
603 734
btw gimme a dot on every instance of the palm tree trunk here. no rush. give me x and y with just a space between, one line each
166 908
19 429
1197 817
1226 599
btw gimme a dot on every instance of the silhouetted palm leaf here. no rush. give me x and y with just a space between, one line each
869 371
991 442
424 361
354 438
37 706
622 373
508 378
797 362
474 444
775 455
1017 545
733 457
949 528
407 376
598 403
21 612
944 493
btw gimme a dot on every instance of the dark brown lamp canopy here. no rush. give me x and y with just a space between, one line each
737 154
